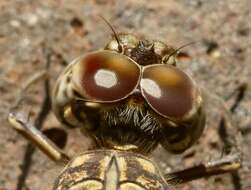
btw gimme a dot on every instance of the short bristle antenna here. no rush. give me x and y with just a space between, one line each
178 49
114 33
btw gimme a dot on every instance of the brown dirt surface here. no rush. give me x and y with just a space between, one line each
219 62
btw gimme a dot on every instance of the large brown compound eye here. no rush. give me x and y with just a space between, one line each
105 76
168 90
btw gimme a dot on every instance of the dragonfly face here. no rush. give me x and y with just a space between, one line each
130 96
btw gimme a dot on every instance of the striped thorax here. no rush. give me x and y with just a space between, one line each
110 170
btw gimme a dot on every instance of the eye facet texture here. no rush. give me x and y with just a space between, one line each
168 90
107 76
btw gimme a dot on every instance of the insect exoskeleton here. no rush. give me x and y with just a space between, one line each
110 170
130 96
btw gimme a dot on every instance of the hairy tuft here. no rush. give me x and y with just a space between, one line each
136 117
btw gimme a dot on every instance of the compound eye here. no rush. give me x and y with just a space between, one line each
105 76
168 90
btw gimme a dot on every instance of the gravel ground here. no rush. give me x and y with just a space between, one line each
220 62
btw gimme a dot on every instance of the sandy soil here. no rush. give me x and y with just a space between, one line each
220 62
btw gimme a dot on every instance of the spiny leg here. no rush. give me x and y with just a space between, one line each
42 75
40 118
226 136
230 163
31 133
228 129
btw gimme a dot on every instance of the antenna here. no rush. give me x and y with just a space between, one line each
178 49
114 33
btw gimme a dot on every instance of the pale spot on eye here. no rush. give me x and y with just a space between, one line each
151 87
105 78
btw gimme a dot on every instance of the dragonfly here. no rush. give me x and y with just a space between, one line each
129 97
